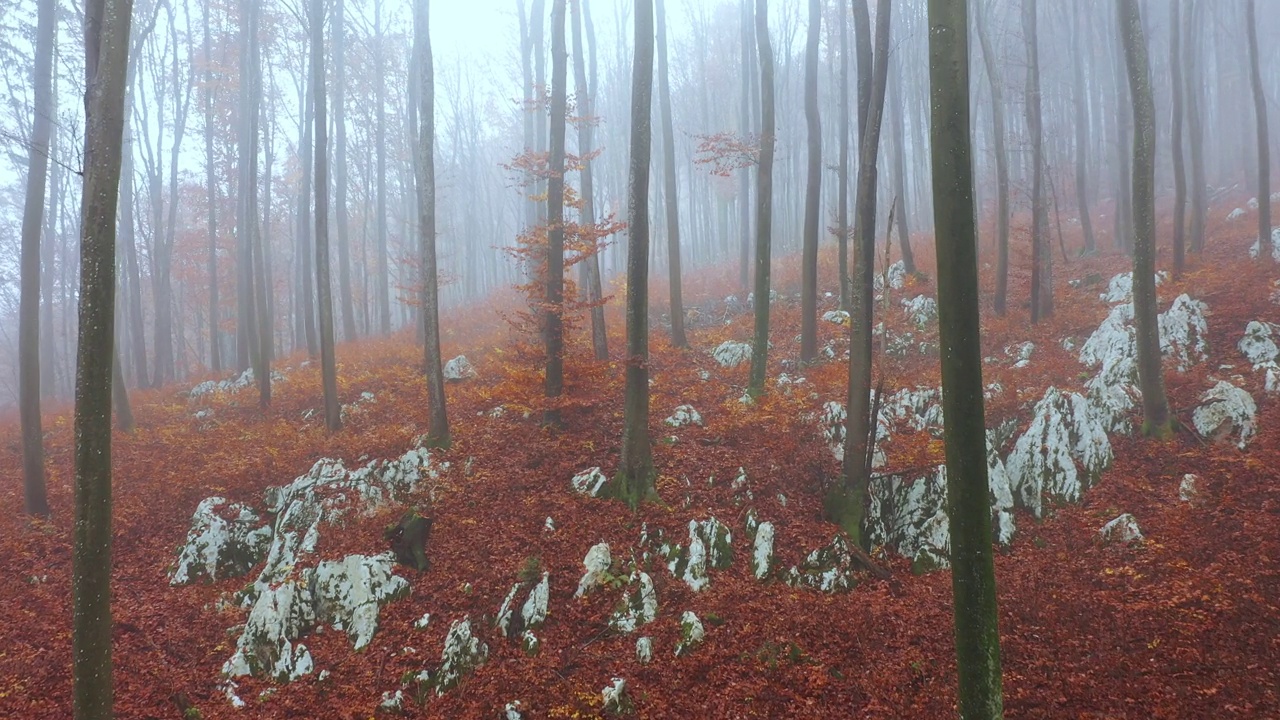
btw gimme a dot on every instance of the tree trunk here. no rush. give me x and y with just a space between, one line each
340 170
137 331
1264 146
215 352
307 300
1041 250
328 364
813 193
106 49
744 130
671 195
1082 134
991 63
764 205
862 48
635 479
585 92
900 173
246 326
36 500
1155 406
259 279
973 578
842 202
438 418
555 218
1179 173
1124 210
847 501
383 280
1195 131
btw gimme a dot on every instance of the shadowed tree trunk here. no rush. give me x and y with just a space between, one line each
1041 251
262 318
973 577
555 217
590 275
1179 174
635 479
900 173
764 205
862 48
106 48
328 363
813 192
991 63
842 201
1082 133
1155 406
1195 129
846 501
1122 157
1264 146
438 416
37 502
670 185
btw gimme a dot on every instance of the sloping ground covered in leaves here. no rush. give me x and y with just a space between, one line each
1185 624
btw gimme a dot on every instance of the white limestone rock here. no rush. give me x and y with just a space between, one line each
615 700
691 633
214 387
908 513
921 310
710 547
597 563
731 354
1183 331
534 611
1256 248
829 568
392 702
1120 289
684 415
513 710
459 369
1226 410
226 539
762 534
463 653
896 274
1021 353
836 317
350 592
1189 490
1253 203
831 419
280 615
1123 529
590 482
1236 214
639 604
1258 344
644 650
506 610
1061 454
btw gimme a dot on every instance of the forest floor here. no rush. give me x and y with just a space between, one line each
1183 625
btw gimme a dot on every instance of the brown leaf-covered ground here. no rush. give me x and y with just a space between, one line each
1186 625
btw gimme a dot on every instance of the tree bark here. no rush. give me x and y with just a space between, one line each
671 194
1155 406
382 281
842 201
1082 134
340 170
813 193
900 173
744 130
764 205
585 91
1041 251
555 217
215 350
862 48
1264 146
1179 172
1195 130
328 364
991 63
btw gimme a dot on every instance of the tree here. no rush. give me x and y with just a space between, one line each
813 192
744 129
1082 133
635 479
846 501
898 127
215 352
764 204
328 364
340 170
585 96
37 502
383 280
842 200
1156 420
862 48
554 386
1041 254
989 61
973 579
1179 173
671 195
438 417
1195 131
106 48
1264 147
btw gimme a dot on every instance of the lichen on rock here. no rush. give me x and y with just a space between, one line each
226 539
731 354
590 482
1225 410
1062 453
691 633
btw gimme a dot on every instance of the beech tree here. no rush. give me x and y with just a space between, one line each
990 62
1082 131
764 205
635 479
671 201
1156 421
1195 128
328 363
1264 145
339 33
1041 251
211 189
585 93
1175 134
813 192
555 218
842 193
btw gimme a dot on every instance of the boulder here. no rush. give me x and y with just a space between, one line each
349 593
1123 529
644 650
463 653
829 568
710 547
691 633
1256 248
1190 489
1021 353
732 354
1259 347
1235 214
459 369
597 563
226 539
615 700
836 317
590 482
639 604
921 310
1226 410
762 546
684 415
895 275
1120 289
1061 454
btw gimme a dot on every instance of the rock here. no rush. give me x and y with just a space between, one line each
1235 214
829 568
1183 331
1123 529
684 415
392 702
1022 352
589 482
226 539
1120 289
691 633
506 610
1256 248
1226 409
731 354
836 317
644 650
909 512
513 710
896 274
212 387
1189 490
832 421
281 614
1253 203
530 643
741 488
921 310
1258 344
615 699
463 653
459 369
762 546
534 611
422 622
639 605
597 563
1062 453
710 547
549 525
350 592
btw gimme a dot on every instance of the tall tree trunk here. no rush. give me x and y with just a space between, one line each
764 205
328 363
259 279
1123 157
246 330
744 130
383 279
900 172
166 369
991 63
555 217
1155 406
1041 250
1195 130
1082 133
862 49
526 71
305 250
671 195
1179 173
635 479
340 171
1264 146
438 417
590 276
215 351
133 277
842 202
813 192
36 500
848 500
106 48
973 577
48 349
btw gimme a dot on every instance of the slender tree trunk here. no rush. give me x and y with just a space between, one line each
1179 173
215 316
1124 210
764 205
438 417
246 330
1041 250
37 502
973 578
842 202
106 49
991 63
671 194
307 301
1195 130
383 279
635 479
745 127
133 277
555 217
590 276
813 192
847 503
340 170
1156 421
328 364
1082 133
48 350
862 48
1264 146
900 173
259 279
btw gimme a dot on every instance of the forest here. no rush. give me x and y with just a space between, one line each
659 358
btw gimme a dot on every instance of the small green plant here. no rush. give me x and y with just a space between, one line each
531 570
192 713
